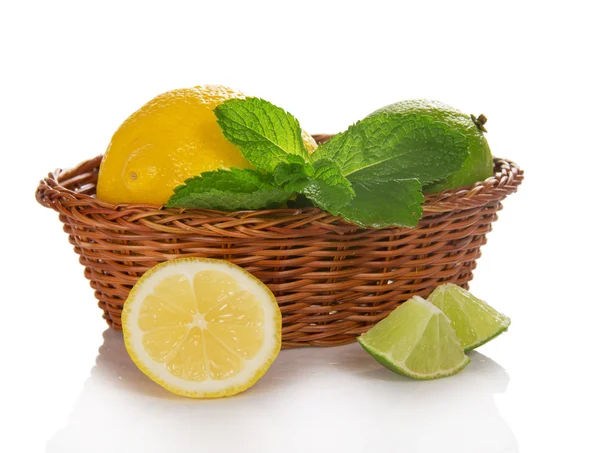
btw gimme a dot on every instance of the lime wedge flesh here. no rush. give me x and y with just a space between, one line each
416 340
474 321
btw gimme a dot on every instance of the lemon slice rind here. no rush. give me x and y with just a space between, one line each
253 368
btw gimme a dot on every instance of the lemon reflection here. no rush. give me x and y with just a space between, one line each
312 399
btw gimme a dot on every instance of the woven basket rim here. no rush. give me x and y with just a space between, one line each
332 279
53 189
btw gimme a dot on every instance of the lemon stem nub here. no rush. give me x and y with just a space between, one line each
480 121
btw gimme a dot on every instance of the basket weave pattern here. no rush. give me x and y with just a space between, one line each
332 280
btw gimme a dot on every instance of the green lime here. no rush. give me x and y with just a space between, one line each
474 321
479 165
416 340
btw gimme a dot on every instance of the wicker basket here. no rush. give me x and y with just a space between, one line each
332 279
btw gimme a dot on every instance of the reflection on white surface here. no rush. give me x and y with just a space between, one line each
342 391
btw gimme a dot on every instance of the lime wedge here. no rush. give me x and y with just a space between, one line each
416 340
474 321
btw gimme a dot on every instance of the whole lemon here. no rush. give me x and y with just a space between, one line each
173 137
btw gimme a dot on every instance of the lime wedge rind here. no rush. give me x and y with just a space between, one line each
474 321
416 340
503 329
399 368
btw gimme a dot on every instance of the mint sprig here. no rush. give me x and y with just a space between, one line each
265 134
384 204
391 147
230 190
371 175
328 188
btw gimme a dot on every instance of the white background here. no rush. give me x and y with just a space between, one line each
71 72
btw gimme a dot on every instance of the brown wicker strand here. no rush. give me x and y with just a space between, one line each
333 280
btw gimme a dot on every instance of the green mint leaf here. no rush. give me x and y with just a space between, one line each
396 146
328 188
293 176
229 190
385 204
265 134
321 182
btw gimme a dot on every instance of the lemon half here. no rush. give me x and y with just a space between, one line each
202 328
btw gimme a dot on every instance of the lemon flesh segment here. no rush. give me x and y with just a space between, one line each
201 327
416 340
474 321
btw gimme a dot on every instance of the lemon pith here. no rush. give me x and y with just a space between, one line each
201 327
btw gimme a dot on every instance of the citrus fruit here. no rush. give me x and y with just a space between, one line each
479 164
201 328
416 340
173 137
474 321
